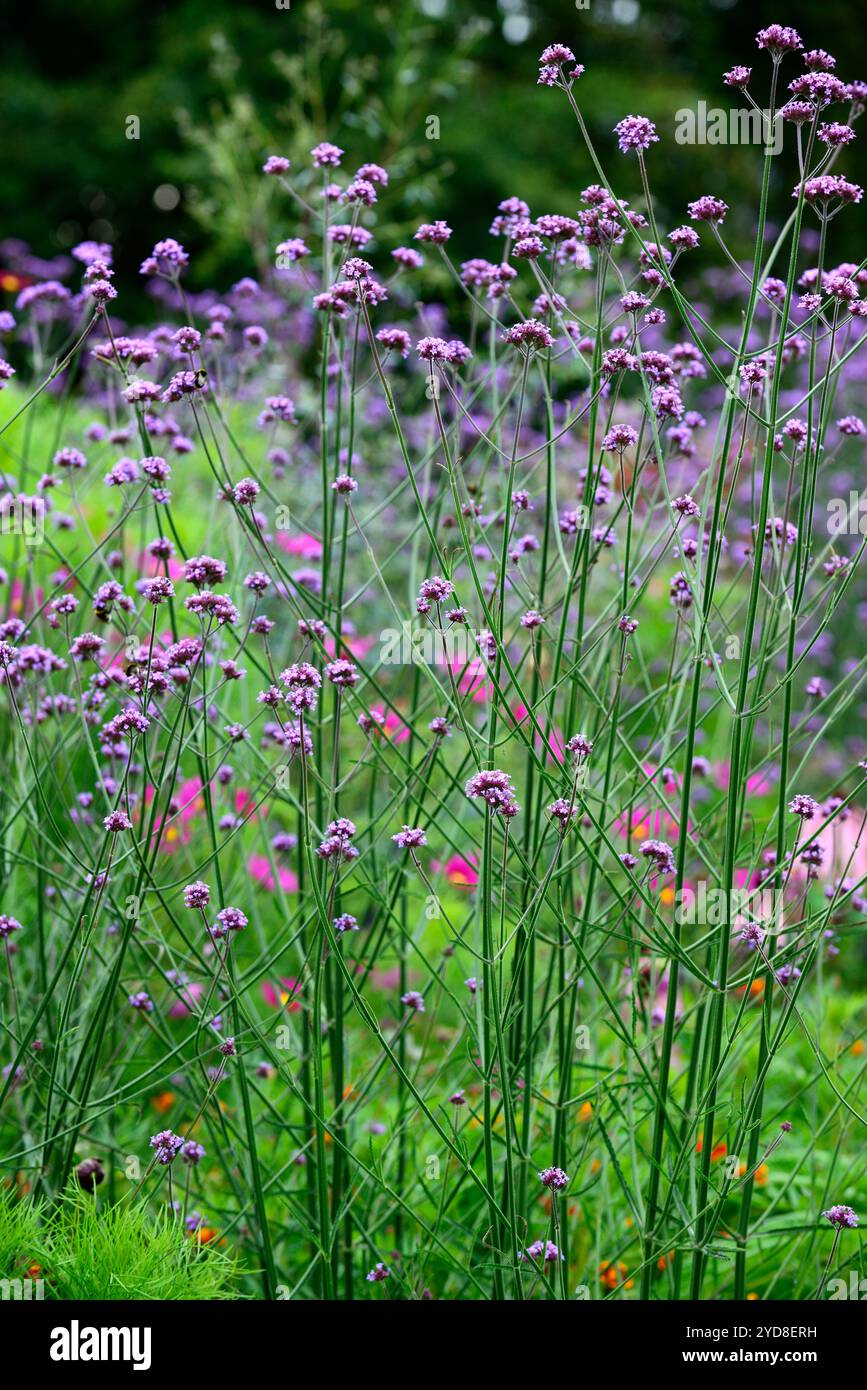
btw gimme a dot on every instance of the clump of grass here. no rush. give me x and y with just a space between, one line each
19 1233
90 1251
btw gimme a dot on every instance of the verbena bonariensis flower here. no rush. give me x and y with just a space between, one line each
563 811
342 673
841 1217
659 854
437 233
410 837
779 39
827 189
166 1146
546 1251
168 259
635 133
752 936
326 156
554 1178
495 788
303 682
435 589
197 895
707 209
531 335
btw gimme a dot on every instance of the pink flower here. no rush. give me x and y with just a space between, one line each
556 741
260 870
390 725
20 600
282 995
190 799
757 785
462 873
748 878
305 545
473 679
187 804
840 843
244 804
386 979
190 996
150 565
356 646
648 824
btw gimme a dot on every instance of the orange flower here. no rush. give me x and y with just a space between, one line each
585 1113
857 1047
204 1235
163 1102
757 989
718 1151
612 1275
760 1176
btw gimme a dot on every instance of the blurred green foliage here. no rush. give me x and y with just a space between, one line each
216 86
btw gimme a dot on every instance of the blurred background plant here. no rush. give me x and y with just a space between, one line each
216 86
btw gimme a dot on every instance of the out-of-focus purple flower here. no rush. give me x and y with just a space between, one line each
413 1000
326 155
